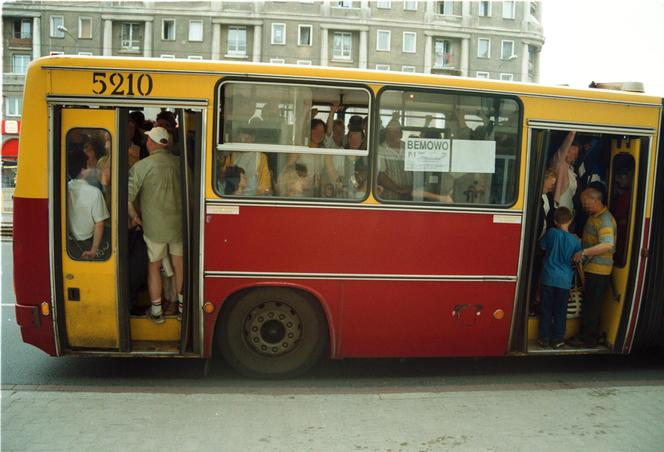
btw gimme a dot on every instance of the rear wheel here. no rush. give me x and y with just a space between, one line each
272 332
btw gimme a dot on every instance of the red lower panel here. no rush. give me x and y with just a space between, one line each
31 270
397 318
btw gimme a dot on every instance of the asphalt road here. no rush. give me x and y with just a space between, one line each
23 364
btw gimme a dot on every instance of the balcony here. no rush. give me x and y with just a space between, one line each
20 39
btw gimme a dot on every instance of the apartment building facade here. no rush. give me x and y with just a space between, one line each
489 39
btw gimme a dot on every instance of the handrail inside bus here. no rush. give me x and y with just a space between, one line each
289 149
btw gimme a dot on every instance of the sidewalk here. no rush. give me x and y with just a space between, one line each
606 419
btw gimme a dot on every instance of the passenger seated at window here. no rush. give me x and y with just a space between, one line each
312 162
254 164
294 181
94 148
359 179
235 181
86 210
397 183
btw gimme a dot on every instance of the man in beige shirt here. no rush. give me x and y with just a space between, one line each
155 181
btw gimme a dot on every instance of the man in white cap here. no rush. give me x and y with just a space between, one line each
155 181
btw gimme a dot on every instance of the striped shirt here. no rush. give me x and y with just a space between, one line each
600 228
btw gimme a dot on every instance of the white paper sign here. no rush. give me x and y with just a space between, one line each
473 156
427 154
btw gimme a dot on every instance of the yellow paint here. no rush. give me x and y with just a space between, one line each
144 329
92 322
571 330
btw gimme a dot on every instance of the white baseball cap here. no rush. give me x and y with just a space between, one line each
158 135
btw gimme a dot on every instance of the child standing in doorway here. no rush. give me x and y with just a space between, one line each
559 245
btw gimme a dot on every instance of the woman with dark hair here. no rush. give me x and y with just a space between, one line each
313 162
235 181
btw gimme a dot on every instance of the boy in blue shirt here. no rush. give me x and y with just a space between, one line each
557 275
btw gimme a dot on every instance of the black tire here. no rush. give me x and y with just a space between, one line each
272 333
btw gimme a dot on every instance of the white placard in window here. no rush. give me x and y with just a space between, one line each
427 154
473 156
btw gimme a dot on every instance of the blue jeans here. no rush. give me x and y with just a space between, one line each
554 313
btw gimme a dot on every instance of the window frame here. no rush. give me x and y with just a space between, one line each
130 39
167 56
16 102
488 8
403 43
273 27
403 69
445 5
236 51
413 5
80 27
22 56
449 54
303 62
277 61
519 154
218 133
509 78
189 34
389 40
21 21
341 57
299 35
488 53
55 33
513 9
382 67
383 4
163 29
487 73
502 49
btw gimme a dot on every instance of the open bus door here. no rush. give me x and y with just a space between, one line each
87 277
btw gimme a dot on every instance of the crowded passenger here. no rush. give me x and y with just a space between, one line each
255 165
397 183
566 178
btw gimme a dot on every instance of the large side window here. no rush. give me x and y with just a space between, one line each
291 141
88 194
447 148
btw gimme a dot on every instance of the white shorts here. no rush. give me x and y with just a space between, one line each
157 251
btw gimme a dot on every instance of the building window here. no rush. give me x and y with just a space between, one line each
129 37
446 8
383 40
409 42
13 105
304 35
278 34
481 74
194 57
237 40
344 4
56 52
382 67
196 30
84 28
509 9
167 56
483 48
407 68
342 45
410 6
485 9
20 64
384 4
57 23
507 50
168 30
23 29
443 50
277 60
304 62
85 53
506 77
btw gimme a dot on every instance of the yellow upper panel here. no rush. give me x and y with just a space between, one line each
186 79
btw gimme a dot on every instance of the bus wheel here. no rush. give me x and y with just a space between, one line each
272 333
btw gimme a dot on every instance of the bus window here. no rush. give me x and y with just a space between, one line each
88 194
276 140
447 148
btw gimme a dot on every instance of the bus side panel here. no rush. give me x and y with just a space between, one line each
32 273
413 283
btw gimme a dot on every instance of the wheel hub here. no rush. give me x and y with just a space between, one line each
272 328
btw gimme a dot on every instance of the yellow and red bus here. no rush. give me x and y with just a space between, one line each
415 237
